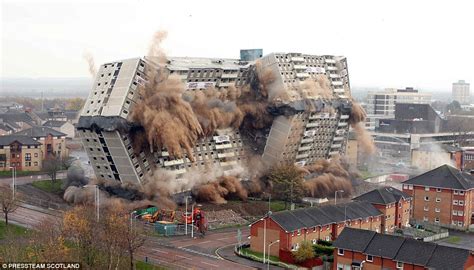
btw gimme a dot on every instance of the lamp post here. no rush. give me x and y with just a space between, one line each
264 237
186 216
269 246
131 219
192 221
335 195
13 180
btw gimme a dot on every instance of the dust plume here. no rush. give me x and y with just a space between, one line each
324 177
217 192
91 63
317 87
357 122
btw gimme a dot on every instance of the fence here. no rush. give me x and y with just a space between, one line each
44 203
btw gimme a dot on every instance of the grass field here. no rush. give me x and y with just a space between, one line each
453 239
48 186
16 230
6 174
247 251
139 265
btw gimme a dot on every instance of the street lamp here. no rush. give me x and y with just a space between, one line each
335 195
186 216
264 237
192 221
96 199
268 259
131 219
13 180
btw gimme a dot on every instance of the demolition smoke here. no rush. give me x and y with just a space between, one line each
91 63
357 121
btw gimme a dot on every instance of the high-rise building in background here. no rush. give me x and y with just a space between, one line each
296 135
381 104
461 92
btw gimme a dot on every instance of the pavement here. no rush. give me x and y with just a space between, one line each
22 180
466 240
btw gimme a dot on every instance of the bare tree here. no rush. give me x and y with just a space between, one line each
51 165
8 201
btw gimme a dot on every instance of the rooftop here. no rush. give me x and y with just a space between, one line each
53 123
324 215
39 131
24 140
444 176
383 195
402 249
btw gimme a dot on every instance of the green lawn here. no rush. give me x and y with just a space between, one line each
16 230
247 251
453 239
139 265
5 174
48 186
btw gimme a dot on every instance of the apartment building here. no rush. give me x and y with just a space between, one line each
22 152
310 224
461 92
53 143
393 203
362 249
442 196
381 104
298 137
429 157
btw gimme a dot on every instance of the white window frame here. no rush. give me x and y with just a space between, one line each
455 202
455 212
426 208
427 188
437 210
460 213
427 198
399 265
460 223
436 220
371 258
340 252
456 192
438 190
438 199
461 192
425 219
461 202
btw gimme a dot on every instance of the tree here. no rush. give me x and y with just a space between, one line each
51 165
67 162
8 201
304 252
454 106
287 183
75 104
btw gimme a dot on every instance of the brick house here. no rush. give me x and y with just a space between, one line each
53 142
362 249
442 196
310 224
21 152
393 203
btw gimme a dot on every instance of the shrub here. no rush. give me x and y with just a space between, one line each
304 252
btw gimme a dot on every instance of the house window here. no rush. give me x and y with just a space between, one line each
327 238
460 213
427 188
340 251
437 220
455 202
426 208
437 210
28 157
369 258
427 198
314 241
438 190
299 231
438 199
461 202
456 192
455 213
460 223
36 154
461 192
36 163
425 219
399 265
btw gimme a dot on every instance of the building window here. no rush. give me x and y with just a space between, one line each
438 190
425 219
461 202
36 154
456 192
455 213
28 157
461 192
437 210
455 202
460 213
438 199
36 163
426 208
427 188
369 258
340 251
427 198
437 220
299 231
460 223
399 265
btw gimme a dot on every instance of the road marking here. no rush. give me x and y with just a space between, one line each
161 251
186 258
214 265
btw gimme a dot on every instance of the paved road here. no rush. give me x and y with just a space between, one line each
180 252
466 240
22 180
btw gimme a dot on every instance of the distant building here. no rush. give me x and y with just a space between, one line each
430 156
59 115
461 92
361 249
53 143
310 224
9 105
393 203
62 126
442 196
381 104
22 152
468 159
12 121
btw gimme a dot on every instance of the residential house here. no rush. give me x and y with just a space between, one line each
310 224
53 143
61 126
21 152
393 203
428 157
361 249
442 196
